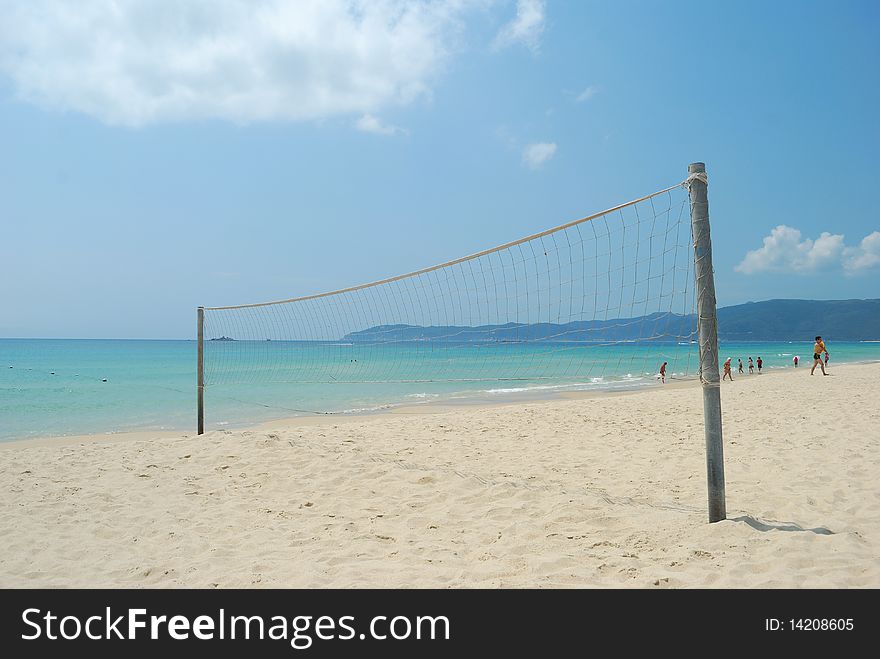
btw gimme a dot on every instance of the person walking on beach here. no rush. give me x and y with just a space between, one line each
663 373
795 360
818 349
751 366
740 365
727 373
760 364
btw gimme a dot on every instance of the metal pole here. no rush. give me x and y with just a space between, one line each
708 339
201 370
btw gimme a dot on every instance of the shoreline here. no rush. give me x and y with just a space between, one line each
408 408
585 491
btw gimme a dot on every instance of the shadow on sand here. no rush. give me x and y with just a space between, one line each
779 526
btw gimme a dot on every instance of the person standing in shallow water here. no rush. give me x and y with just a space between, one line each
740 366
751 366
760 364
663 373
818 349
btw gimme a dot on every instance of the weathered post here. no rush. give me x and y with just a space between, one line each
201 371
708 338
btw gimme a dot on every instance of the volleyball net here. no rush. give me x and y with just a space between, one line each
609 296
612 299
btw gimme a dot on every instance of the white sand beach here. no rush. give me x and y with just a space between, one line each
599 491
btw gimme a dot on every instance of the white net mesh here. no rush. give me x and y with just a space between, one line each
603 299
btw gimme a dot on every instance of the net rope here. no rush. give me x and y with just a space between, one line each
604 298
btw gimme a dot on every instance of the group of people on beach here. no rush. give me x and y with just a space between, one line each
818 350
728 374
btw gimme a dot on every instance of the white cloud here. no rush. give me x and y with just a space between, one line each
865 256
370 124
535 155
144 61
526 28
586 95
785 251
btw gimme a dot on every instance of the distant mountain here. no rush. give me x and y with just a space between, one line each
657 325
789 320
772 320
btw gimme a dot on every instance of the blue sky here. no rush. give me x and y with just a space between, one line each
156 156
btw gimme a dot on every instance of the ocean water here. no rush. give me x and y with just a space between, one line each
67 387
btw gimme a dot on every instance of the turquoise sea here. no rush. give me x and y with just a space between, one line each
67 387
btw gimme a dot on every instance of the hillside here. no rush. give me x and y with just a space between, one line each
787 320
771 320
